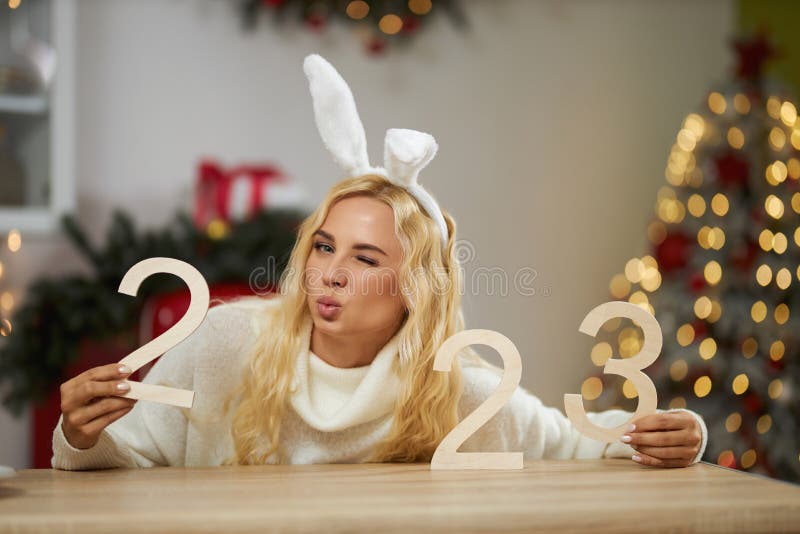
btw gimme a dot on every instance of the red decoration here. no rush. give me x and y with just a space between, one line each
744 257
215 187
751 55
376 46
697 282
273 3
316 21
673 252
753 403
700 329
732 170
410 24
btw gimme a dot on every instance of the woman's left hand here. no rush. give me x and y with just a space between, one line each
668 439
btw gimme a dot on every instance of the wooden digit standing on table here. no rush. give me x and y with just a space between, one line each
446 455
193 318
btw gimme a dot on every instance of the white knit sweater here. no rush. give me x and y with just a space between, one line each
336 415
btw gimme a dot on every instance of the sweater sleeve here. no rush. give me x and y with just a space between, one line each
526 424
152 433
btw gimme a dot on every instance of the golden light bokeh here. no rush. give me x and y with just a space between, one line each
420 7
686 140
783 278
758 311
5 327
712 272
619 286
781 313
788 113
726 458
217 229
777 350
779 243
685 335
390 24
741 104
601 353
592 388
716 103
733 422
740 384
651 280
696 205
735 137
763 275
657 232
765 239
676 403
774 206
702 307
702 386
775 389
793 168
7 301
629 390
14 4
749 347
795 138
14 240
777 138
678 370
357 9
774 107
634 270
748 459
763 424
695 124
720 204
708 348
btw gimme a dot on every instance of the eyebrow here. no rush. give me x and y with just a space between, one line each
357 246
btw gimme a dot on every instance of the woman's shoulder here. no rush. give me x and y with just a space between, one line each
230 328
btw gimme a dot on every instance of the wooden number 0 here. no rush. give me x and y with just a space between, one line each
446 455
198 308
630 368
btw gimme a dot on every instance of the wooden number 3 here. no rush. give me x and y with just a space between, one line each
630 368
446 455
198 308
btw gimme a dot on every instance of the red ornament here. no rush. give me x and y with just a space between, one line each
376 46
697 283
776 365
700 329
744 256
673 252
410 24
316 21
753 403
273 3
751 55
732 170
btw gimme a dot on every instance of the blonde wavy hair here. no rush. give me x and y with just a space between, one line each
426 408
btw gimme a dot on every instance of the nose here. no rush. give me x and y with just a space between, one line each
334 276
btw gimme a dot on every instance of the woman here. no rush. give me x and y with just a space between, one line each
339 368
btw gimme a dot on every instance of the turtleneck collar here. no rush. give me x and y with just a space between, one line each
374 387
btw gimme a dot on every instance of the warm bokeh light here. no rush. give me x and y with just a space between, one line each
777 138
774 206
601 352
14 240
749 347
390 24
14 4
775 389
696 205
763 275
708 348
740 384
748 459
357 9
419 7
735 137
702 386
783 278
741 104
774 107
629 390
702 307
779 243
7 301
676 403
619 286
733 422
678 370
763 424
777 350
716 103
758 311
685 335
719 204
781 313
788 113
592 388
712 272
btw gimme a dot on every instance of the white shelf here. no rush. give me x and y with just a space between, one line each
33 104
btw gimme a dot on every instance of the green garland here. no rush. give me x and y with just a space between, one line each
59 313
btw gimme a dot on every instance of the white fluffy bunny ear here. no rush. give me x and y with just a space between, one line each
336 115
406 152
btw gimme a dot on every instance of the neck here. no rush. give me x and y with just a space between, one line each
349 351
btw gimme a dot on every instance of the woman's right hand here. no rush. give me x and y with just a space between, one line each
89 404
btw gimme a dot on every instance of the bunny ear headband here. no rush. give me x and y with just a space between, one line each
406 152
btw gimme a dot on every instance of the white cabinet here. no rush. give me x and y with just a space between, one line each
37 114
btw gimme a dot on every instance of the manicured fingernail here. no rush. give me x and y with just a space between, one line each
123 386
631 428
626 439
636 458
124 369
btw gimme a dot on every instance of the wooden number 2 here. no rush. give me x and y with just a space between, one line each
446 455
198 308
630 368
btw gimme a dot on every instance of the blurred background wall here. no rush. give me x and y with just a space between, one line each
554 120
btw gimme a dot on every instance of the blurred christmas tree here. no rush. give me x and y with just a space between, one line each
721 275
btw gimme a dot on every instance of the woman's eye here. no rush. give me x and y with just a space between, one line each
323 247
368 261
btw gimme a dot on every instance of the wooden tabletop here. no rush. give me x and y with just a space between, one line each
610 495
